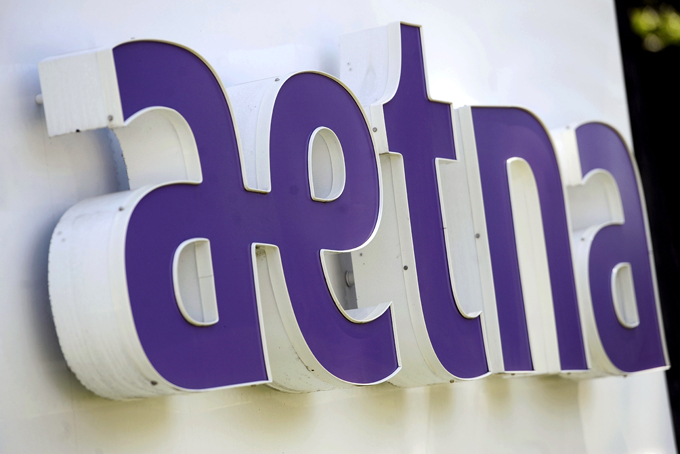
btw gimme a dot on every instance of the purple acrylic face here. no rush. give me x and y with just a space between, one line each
220 209
639 348
421 130
501 134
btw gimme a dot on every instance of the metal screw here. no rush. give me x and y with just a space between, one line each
110 117
154 383
477 235
405 267
120 208
277 79
375 129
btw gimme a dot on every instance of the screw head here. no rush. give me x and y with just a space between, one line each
375 129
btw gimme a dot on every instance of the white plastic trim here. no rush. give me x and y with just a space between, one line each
623 294
325 165
459 235
196 252
466 145
356 315
80 92
532 259
159 146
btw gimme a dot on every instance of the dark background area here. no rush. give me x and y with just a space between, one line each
652 82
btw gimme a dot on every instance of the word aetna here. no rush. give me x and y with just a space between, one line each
311 232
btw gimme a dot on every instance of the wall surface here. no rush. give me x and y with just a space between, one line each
559 59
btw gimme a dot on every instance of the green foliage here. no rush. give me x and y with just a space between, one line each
658 27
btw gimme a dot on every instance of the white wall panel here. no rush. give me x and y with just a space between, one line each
560 59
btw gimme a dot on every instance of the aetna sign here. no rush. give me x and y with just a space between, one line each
312 233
